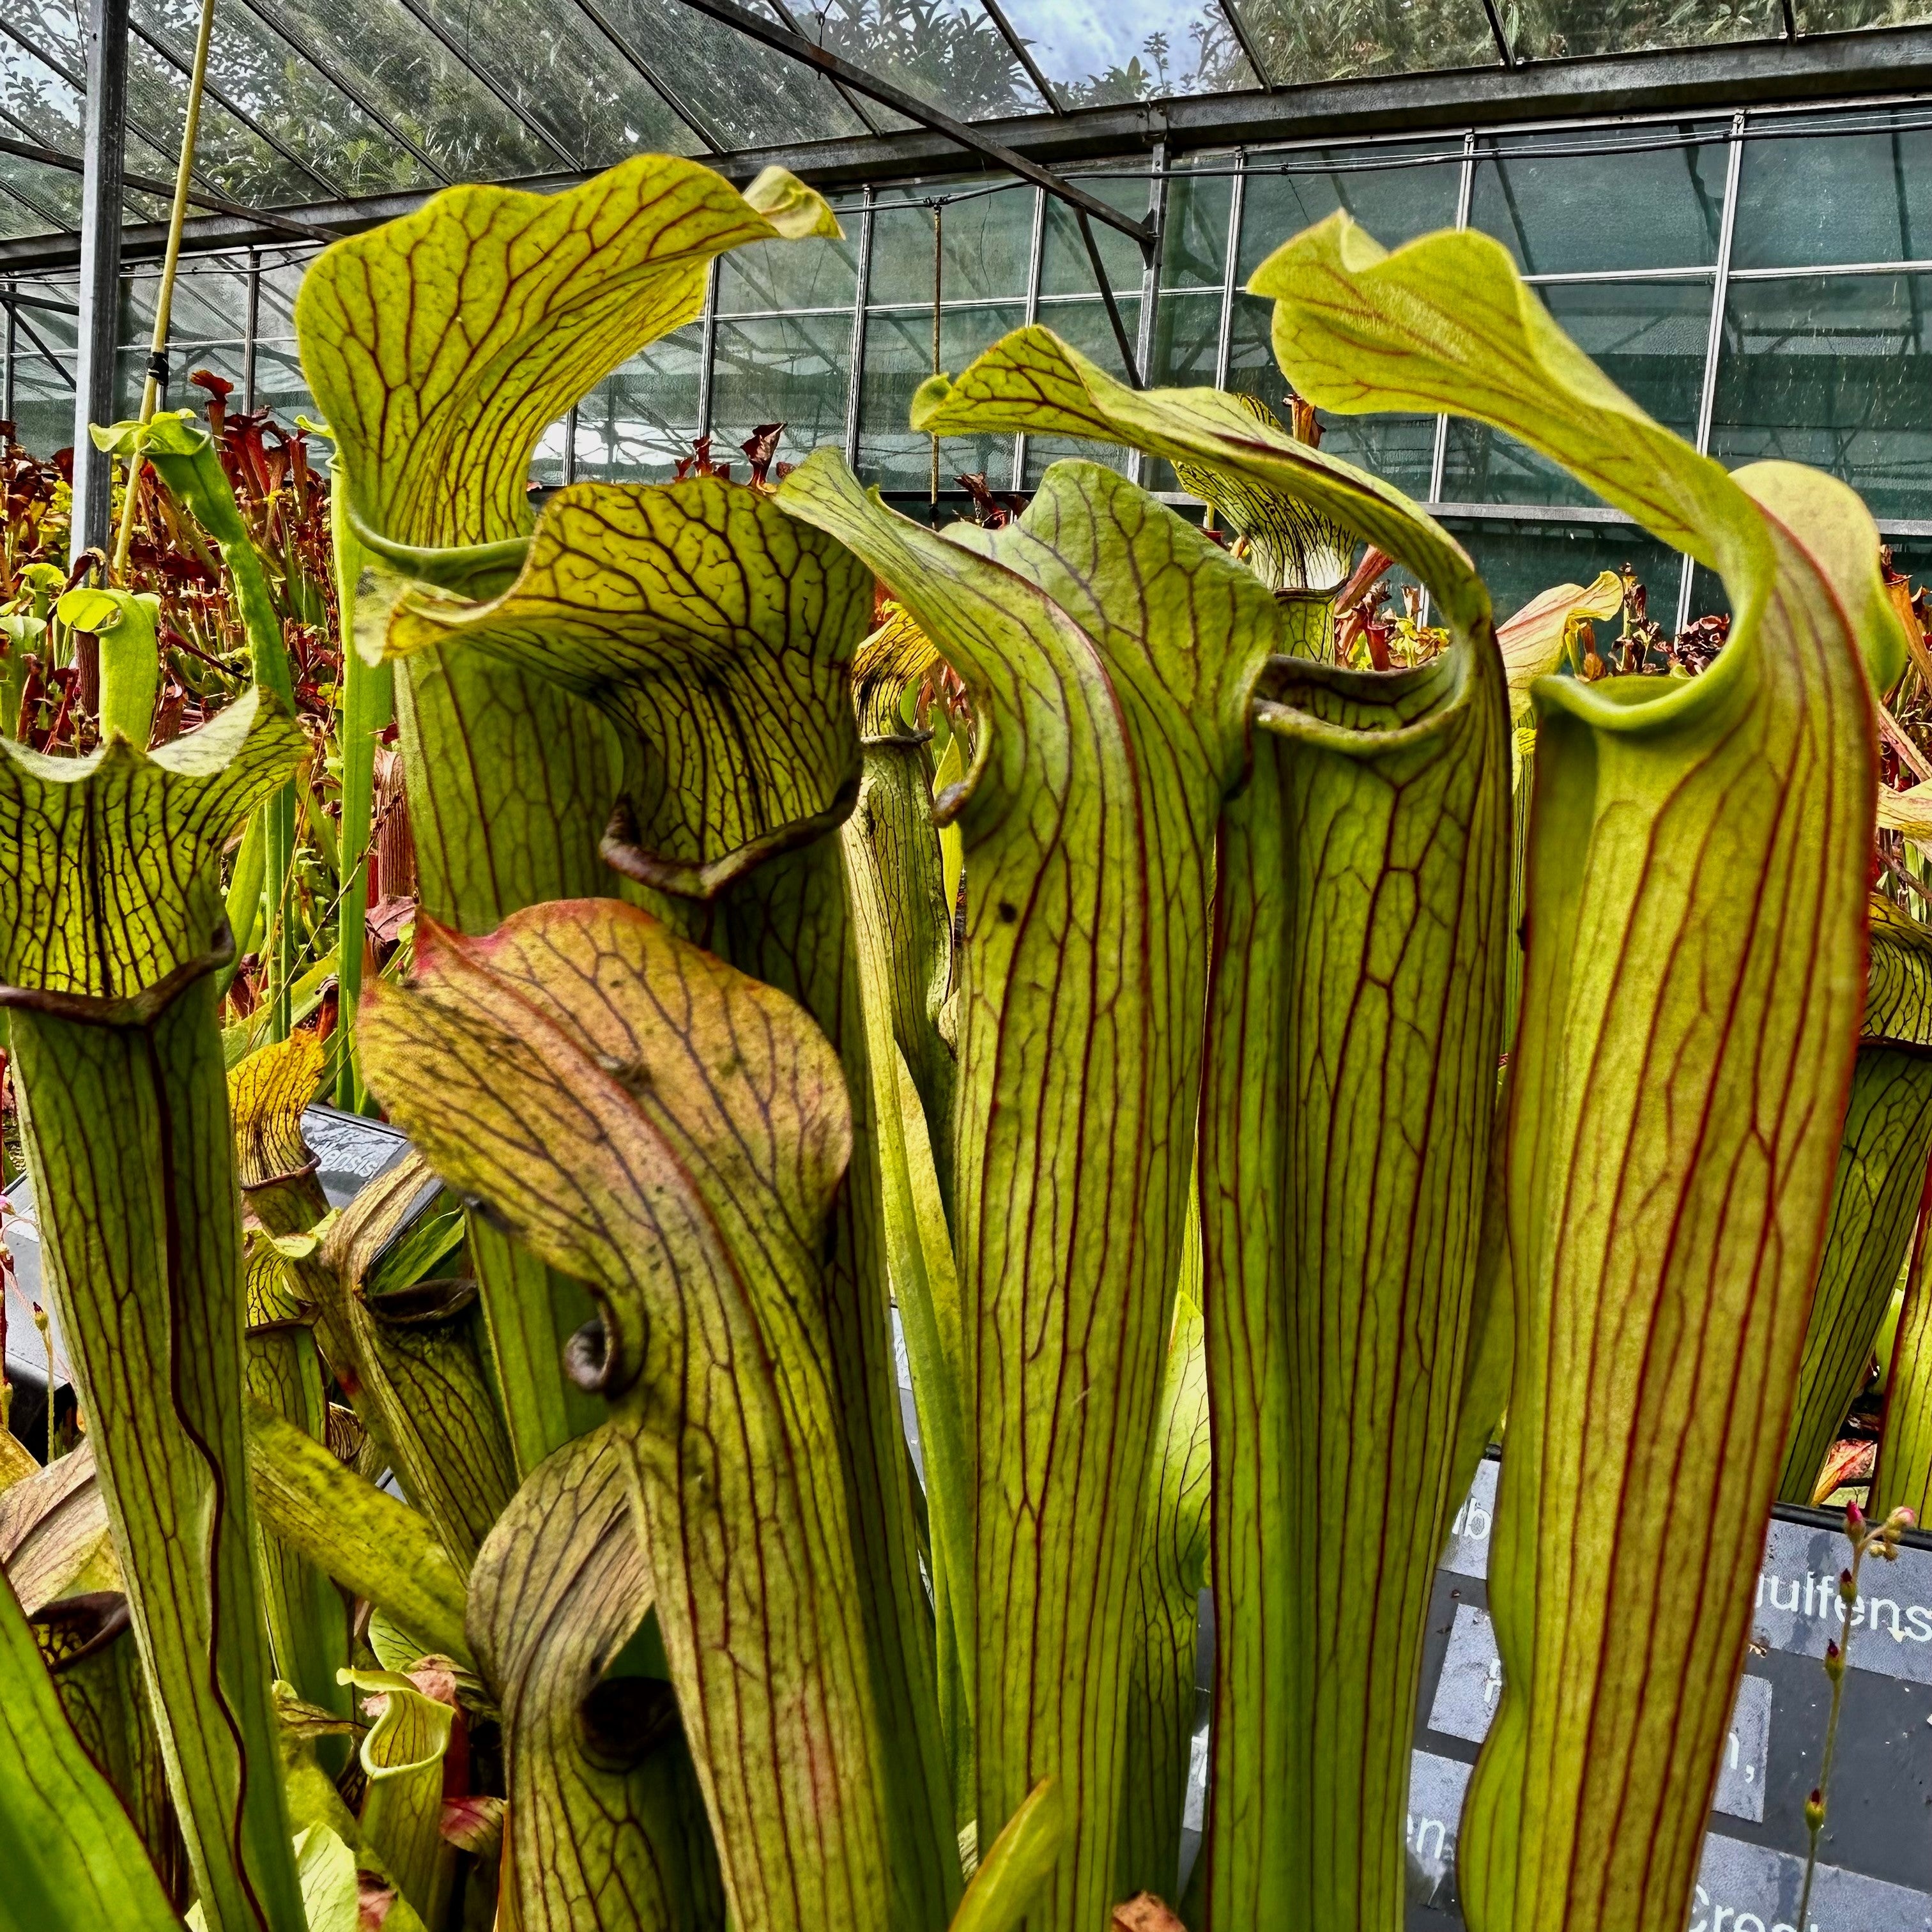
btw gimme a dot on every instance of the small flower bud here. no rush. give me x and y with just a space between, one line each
1814 1809
1834 1662
1848 1587
1855 1521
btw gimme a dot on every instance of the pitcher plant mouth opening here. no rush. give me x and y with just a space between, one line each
760 1212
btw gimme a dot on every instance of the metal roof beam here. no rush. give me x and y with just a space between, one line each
1878 64
289 226
781 39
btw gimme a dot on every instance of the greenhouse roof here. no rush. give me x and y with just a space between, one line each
322 115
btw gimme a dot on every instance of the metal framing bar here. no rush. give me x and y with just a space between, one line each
1104 282
782 41
78 82
1720 288
96 329
856 102
1250 47
53 361
862 288
1036 261
228 105
35 206
708 353
1144 339
621 46
75 164
251 325
1237 198
6 377
1023 54
1439 456
324 64
1504 51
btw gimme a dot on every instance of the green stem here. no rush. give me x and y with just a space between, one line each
368 704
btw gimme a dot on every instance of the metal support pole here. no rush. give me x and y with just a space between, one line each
7 398
1439 459
570 445
1721 286
1151 251
251 328
1439 456
861 293
97 330
1035 256
1231 270
708 353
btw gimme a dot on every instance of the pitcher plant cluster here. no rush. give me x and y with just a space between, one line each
1245 1037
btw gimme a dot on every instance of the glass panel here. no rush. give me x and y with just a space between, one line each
1396 193
748 96
279 384
258 70
43 343
1649 337
1832 16
1084 324
1559 211
947 53
206 328
38 104
1836 372
793 275
1558 29
1299 41
37 200
1187 344
898 358
988 242
793 370
425 89
1194 253
634 425
237 161
1399 448
1132 50
1816 197
1187 340
564 75
1065 268
1521 558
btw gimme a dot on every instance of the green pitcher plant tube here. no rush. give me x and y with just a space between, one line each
110 929
308 1624
1110 651
606 1830
73 1861
1692 985
1882 1165
184 456
652 1120
716 635
441 347
1353 1024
